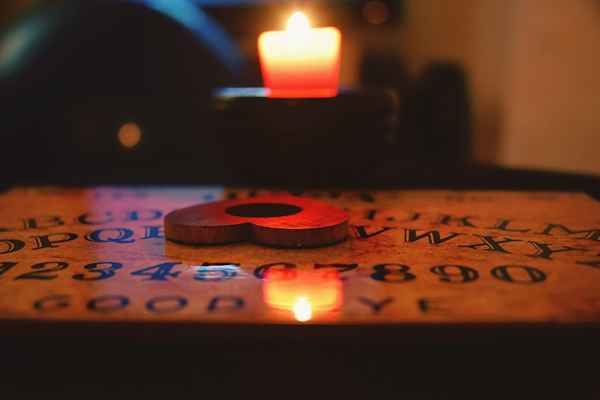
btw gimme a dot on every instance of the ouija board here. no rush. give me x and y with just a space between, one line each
412 257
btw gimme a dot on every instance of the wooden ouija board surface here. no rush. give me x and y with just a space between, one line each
412 257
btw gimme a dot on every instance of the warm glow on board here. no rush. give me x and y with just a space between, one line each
304 293
300 62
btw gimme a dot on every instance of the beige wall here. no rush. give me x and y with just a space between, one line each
553 92
534 69
474 33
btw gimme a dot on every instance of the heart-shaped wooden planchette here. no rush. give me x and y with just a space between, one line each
276 220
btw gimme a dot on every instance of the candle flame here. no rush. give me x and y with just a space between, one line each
298 23
302 309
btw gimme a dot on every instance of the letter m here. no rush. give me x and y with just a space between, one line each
434 237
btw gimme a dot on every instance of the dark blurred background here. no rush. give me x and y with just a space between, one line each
122 91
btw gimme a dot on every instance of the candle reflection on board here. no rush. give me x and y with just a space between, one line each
305 293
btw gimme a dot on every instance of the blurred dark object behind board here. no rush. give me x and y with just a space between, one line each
94 66
121 92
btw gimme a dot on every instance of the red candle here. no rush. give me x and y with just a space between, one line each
300 62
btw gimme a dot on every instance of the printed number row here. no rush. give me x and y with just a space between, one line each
47 271
384 272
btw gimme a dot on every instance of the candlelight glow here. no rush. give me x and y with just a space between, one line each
129 135
305 293
302 309
298 23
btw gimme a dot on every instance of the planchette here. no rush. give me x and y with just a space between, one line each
275 220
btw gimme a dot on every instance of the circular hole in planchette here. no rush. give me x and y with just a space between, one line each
263 210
